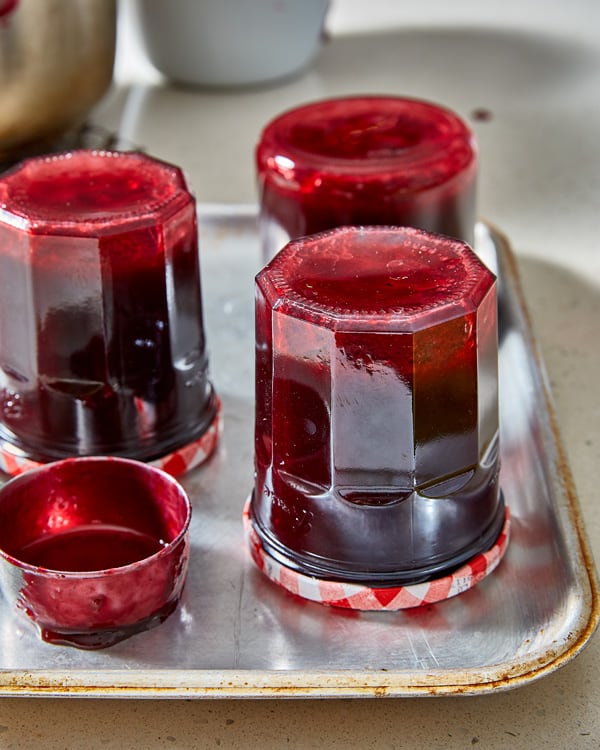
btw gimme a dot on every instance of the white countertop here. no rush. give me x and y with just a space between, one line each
535 67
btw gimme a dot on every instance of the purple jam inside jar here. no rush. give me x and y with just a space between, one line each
102 346
376 437
363 161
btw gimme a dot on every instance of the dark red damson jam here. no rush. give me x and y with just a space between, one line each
102 345
362 161
376 405
93 547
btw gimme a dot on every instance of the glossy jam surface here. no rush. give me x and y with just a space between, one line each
400 279
363 161
362 135
95 548
376 441
91 191
102 347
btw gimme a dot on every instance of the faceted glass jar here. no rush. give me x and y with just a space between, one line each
376 441
366 160
102 346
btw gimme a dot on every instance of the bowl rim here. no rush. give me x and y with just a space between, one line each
64 575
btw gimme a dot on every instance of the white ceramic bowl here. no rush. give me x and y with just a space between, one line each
230 42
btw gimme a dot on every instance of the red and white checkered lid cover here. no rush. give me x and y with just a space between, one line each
176 463
360 597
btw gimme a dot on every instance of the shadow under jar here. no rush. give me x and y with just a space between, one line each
366 160
102 346
376 438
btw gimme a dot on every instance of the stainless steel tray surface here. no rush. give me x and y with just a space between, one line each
237 634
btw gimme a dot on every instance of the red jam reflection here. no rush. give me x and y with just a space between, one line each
7 7
102 345
94 547
376 405
362 161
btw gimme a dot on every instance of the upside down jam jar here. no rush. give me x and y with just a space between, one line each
365 160
376 437
102 345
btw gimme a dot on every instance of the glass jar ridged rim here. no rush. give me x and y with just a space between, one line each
28 200
413 143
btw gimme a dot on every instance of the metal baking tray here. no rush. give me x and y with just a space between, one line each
236 634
